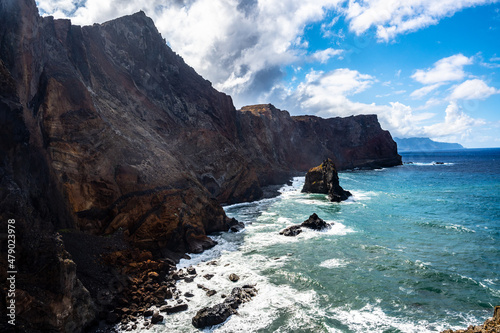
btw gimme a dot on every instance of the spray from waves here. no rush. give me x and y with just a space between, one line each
371 318
273 301
334 263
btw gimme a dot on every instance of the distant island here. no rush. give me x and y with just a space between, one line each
424 144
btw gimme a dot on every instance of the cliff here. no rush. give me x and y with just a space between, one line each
105 128
295 144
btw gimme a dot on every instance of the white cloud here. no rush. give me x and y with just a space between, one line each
328 95
473 89
455 123
326 92
324 55
444 70
419 93
394 17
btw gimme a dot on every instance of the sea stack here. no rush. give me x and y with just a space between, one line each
325 179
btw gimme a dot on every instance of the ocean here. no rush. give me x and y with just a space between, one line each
415 249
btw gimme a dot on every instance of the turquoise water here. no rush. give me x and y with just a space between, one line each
416 249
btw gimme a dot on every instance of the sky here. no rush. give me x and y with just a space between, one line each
427 68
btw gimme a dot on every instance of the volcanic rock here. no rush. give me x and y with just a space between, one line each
169 309
219 313
315 223
233 277
293 230
324 179
156 318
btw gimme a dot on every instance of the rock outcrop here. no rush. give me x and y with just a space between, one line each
106 129
491 325
218 313
325 179
313 222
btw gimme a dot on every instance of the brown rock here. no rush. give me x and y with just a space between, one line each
156 318
175 308
324 179
233 277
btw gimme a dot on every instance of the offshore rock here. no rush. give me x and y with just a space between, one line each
313 222
291 231
324 179
219 313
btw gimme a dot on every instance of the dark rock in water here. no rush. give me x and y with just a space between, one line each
188 294
314 222
212 316
208 276
219 313
325 179
233 277
294 230
191 270
174 308
156 318
211 292
237 227
147 313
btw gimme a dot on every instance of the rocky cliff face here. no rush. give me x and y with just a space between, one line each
105 128
294 144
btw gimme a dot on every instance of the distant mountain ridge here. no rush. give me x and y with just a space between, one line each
424 144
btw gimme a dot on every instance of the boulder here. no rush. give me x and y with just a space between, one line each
294 230
233 277
219 313
156 318
324 179
214 315
174 308
315 223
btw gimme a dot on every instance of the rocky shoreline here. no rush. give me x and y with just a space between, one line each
491 325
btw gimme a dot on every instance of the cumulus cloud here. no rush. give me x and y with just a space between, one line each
391 18
455 122
473 89
329 94
444 70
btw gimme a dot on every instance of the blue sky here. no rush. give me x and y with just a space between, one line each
425 67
